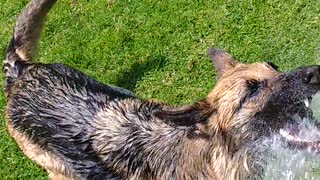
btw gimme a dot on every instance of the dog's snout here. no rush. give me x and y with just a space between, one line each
311 75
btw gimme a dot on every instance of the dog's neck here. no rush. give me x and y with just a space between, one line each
207 151
208 158
200 146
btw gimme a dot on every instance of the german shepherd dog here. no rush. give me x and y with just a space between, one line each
77 128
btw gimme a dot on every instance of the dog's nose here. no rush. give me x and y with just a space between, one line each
311 75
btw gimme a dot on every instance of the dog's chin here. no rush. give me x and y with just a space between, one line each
304 134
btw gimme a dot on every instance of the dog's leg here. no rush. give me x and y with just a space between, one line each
20 51
45 159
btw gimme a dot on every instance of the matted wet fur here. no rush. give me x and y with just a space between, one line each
77 128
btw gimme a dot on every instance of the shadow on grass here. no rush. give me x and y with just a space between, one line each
128 79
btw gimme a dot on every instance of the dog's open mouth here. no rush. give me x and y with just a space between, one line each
294 141
304 134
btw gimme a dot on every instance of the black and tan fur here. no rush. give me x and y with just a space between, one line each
77 128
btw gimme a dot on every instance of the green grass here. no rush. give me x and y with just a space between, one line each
159 49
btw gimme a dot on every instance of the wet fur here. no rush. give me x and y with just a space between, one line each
75 127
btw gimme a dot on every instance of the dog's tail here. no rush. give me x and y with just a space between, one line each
24 41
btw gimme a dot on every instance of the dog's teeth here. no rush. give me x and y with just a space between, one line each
289 137
286 135
306 102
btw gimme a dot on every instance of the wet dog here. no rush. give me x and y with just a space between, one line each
78 128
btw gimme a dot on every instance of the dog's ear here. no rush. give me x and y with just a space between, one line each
221 60
184 116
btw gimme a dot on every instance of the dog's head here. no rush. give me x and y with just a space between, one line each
256 100
250 102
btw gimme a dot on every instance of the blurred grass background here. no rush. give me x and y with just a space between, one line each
158 49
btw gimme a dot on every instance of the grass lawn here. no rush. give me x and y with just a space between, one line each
158 49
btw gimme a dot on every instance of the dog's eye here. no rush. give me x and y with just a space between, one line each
253 87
